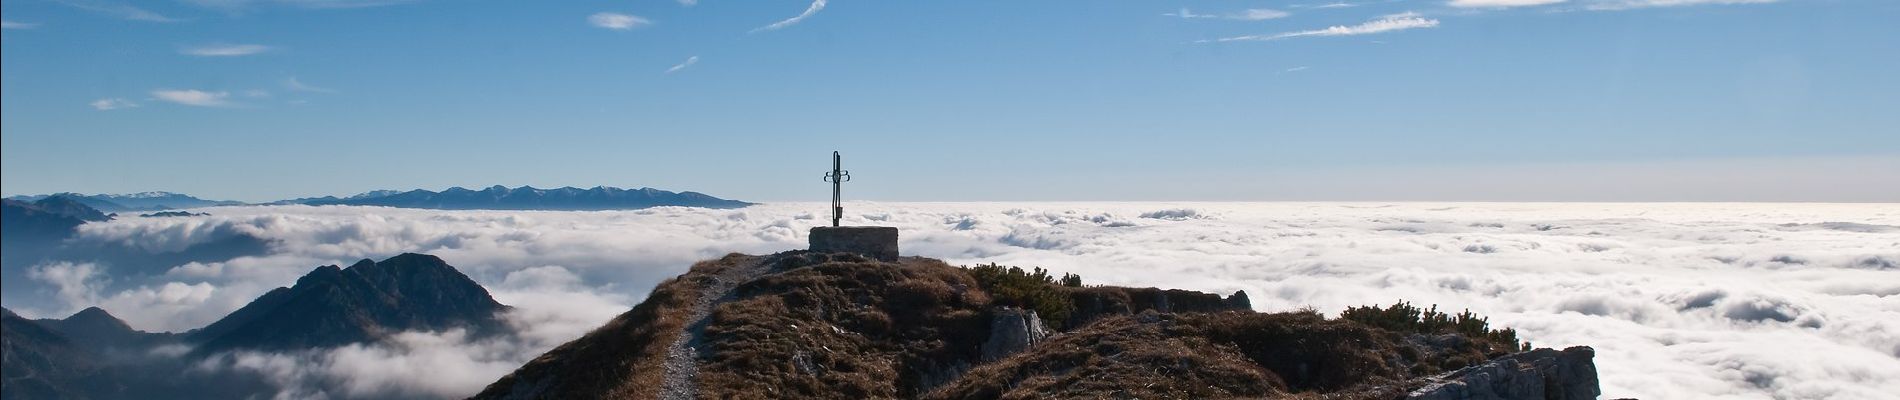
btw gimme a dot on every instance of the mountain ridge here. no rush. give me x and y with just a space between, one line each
498 197
141 201
567 198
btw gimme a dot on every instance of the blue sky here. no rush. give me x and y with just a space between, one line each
1578 100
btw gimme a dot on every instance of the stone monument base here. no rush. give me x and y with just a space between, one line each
879 242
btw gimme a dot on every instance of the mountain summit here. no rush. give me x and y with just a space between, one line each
843 325
333 306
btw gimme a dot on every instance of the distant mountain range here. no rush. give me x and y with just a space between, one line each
529 198
147 201
93 354
454 198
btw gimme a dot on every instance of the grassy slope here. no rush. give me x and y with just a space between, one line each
843 326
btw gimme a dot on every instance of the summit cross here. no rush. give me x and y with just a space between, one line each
838 176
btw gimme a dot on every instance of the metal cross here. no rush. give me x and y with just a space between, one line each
838 176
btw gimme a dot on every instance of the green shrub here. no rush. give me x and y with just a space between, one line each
1032 290
1404 317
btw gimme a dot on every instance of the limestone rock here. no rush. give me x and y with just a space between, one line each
1012 330
1537 374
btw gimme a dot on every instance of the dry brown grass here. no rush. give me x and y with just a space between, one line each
844 326
1120 357
619 360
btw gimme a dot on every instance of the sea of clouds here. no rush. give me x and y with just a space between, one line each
1680 300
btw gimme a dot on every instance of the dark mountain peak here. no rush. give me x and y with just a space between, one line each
96 329
333 306
409 260
327 273
96 318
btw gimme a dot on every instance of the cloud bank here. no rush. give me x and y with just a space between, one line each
1681 300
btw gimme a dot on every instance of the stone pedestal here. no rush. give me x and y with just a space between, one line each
878 242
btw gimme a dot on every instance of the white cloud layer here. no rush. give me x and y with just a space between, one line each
816 5
1388 23
225 50
617 21
1681 300
17 25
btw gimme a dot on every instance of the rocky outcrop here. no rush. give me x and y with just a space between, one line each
1536 374
879 242
1011 331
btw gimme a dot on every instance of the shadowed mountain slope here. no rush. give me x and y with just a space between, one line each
94 328
333 306
40 363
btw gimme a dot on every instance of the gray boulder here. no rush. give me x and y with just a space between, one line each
1537 374
1012 330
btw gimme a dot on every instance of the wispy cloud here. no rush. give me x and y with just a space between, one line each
1388 23
17 25
1252 14
194 97
1297 69
689 3
225 50
1500 3
240 5
816 5
1612 5
296 85
112 104
1327 5
682 65
617 21
118 10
